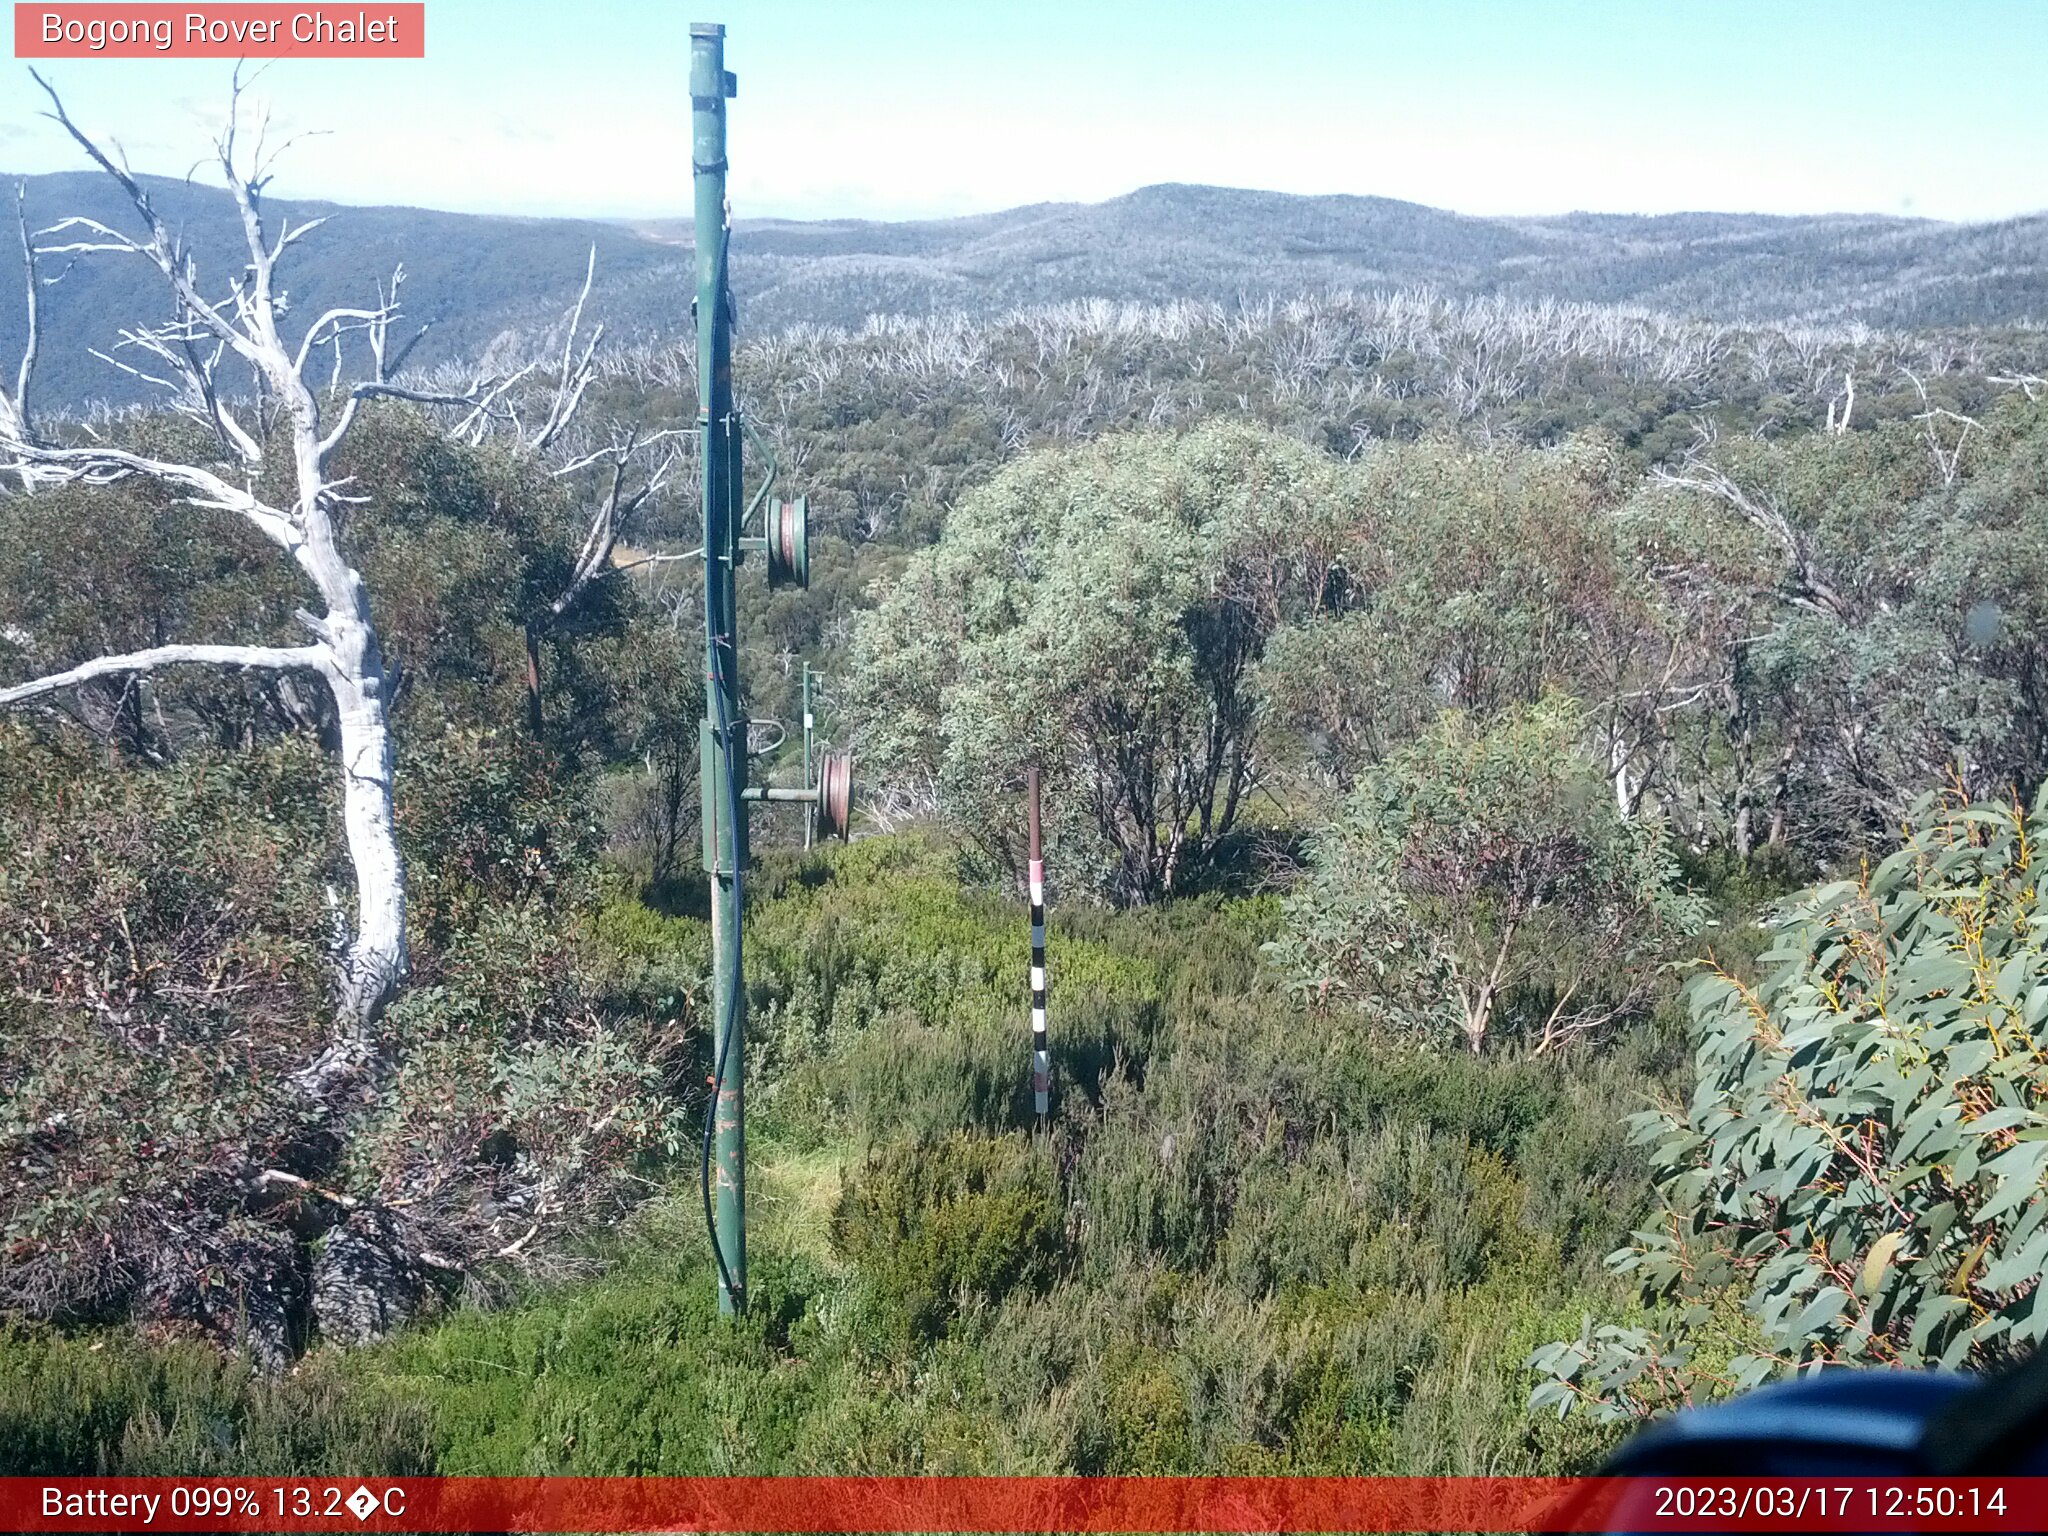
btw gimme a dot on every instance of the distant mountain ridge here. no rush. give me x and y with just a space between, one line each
483 281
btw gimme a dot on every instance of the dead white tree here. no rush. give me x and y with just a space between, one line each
614 506
2028 384
14 407
1947 456
1810 585
186 355
1846 398
617 499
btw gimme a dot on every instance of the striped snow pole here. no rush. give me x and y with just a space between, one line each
1041 1056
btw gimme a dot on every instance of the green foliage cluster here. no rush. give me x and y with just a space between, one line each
1761 660
1862 1156
894 420
1780 644
1900 649
884 996
966 1217
167 975
164 974
1477 579
1478 874
114 1402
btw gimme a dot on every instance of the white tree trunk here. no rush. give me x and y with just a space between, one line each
376 960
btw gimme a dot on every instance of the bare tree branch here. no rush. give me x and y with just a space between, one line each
615 507
471 428
268 657
163 249
316 332
576 373
1811 588
98 465
1947 457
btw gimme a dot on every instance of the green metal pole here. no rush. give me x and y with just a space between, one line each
722 763
811 810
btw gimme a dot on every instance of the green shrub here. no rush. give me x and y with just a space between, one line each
1863 1155
114 1405
160 935
487 819
882 991
937 1223
534 1098
635 1374
1149 1429
1482 881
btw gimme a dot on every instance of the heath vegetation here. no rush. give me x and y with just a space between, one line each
1543 811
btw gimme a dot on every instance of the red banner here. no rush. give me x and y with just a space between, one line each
1007 1504
261 31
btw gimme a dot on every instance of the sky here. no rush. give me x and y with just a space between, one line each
927 108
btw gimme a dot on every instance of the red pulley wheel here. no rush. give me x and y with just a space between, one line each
789 544
835 795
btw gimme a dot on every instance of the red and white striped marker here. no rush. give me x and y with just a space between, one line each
1041 1056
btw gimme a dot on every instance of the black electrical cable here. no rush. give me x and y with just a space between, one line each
714 613
735 976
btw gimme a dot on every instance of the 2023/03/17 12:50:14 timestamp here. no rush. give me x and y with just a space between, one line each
1884 1501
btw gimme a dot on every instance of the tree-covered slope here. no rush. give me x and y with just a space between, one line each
483 281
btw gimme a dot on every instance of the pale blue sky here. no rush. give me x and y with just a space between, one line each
897 108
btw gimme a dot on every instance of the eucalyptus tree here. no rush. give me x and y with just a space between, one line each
1484 871
1481 579
1878 594
1098 611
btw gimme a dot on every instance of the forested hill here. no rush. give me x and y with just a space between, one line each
1169 242
473 279
480 280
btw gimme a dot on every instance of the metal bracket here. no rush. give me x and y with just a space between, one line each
768 479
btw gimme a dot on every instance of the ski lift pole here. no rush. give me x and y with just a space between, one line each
1041 1055
723 733
721 737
